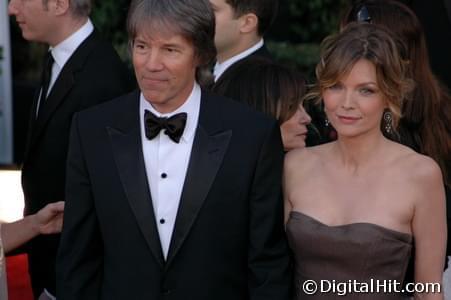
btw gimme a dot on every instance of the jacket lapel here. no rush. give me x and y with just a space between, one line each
62 86
209 146
127 150
31 122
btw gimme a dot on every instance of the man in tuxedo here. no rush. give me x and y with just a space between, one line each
173 193
80 70
240 27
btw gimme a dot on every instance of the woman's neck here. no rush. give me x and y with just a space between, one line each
358 153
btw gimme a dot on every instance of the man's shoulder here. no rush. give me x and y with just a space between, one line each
235 108
99 43
262 52
235 114
97 51
112 109
99 69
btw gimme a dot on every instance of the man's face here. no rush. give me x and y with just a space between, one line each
34 18
227 29
165 66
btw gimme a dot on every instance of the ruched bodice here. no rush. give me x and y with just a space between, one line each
356 252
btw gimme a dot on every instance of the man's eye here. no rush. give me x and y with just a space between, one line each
139 46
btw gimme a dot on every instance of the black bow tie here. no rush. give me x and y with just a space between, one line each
173 126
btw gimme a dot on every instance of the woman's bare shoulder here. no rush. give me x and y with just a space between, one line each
418 168
306 158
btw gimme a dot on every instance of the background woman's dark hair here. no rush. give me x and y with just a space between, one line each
425 125
268 87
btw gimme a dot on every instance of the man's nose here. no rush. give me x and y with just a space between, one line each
13 7
154 61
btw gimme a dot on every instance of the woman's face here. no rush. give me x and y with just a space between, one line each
355 104
294 130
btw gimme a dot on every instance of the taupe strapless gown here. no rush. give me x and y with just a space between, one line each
358 251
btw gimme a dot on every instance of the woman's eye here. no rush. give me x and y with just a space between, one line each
336 86
366 91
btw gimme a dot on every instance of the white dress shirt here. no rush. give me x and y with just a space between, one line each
166 164
222 67
63 51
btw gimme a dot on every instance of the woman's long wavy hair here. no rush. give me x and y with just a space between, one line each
340 52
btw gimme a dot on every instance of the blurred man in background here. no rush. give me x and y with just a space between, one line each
240 27
80 70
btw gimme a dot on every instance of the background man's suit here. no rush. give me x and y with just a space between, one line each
93 74
228 241
261 52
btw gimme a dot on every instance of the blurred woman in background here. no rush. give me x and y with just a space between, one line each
273 89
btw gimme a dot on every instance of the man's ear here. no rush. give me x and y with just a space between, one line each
249 23
61 7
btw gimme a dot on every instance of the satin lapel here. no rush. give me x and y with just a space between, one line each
127 151
207 155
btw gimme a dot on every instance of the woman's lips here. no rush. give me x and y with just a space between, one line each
303 134
348 119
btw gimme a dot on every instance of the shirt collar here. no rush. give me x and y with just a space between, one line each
64 50
191 107
221 67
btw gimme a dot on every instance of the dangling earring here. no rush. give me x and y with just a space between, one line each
326 122
388 120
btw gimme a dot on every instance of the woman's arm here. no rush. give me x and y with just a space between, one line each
46 221
429 230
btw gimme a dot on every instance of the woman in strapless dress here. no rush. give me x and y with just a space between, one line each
355 206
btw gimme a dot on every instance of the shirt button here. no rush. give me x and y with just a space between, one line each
162 221
164 175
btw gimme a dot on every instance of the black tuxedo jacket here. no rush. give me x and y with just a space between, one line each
261 52
93 74
228 240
